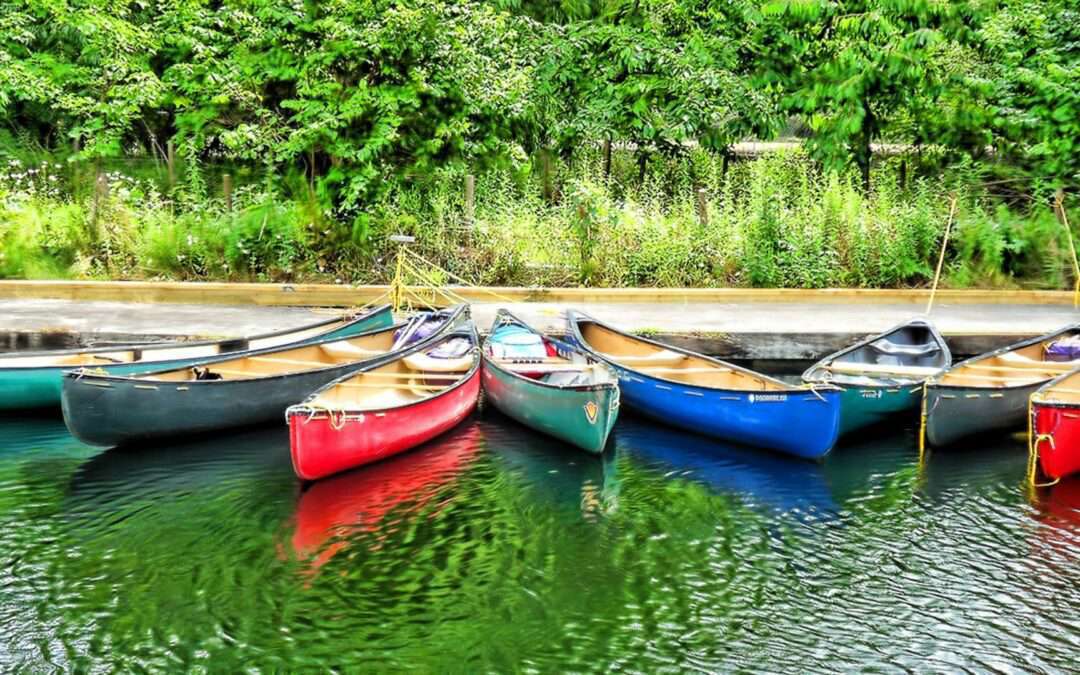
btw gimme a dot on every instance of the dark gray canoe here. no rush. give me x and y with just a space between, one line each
244 390
989 393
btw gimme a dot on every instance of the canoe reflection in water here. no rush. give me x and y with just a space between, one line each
1058 509
554 473
330 510
759 477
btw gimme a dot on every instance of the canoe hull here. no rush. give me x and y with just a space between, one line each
110 411
581 416
957 413
322 446
862 406
799 423
27 388
1057 437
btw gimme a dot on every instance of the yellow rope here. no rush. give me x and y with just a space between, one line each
337 424
466 282
1059 202
941 258
1034 440
922 426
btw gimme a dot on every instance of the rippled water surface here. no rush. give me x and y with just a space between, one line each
497 549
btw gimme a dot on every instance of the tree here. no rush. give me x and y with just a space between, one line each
853 67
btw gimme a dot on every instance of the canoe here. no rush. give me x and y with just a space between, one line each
882 375
990 392
548 385
386 408
1055 425
34 380
712 397
236 391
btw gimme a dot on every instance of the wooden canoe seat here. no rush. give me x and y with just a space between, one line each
882 369
348 351
538 368
664 357
423 362
1014 357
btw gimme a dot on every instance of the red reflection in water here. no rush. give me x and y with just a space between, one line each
1059 509
359 500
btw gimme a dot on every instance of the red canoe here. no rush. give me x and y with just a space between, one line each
1055 425
379 412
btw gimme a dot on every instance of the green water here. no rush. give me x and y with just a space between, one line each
497 550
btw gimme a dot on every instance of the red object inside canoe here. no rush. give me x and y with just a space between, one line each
1057 434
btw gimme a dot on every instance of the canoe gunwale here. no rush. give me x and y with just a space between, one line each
932 381
451 331
503 315
574 317
829 359
143 347
146 376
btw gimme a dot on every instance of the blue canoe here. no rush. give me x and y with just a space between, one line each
712 397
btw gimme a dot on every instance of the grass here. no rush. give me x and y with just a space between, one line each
770 222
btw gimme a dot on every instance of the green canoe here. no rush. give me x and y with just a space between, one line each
883 375
33 380
548 385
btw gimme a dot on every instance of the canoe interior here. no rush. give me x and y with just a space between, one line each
1022 365
902 355
1063 390
667 364
552 364
172 352
401 382
296 360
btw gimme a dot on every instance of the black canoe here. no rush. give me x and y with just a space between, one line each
244 390
990 392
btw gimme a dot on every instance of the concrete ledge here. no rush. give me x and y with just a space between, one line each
329 295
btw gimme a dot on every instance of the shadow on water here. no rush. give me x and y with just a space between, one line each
123 475
992 461
363 500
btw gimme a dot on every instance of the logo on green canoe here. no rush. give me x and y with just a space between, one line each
590 412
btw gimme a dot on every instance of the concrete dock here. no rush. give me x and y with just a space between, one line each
749 330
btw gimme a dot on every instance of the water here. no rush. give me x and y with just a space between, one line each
495 549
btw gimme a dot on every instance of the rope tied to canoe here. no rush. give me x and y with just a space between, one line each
1034 440
336 423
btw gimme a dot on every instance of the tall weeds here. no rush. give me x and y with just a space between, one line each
775 221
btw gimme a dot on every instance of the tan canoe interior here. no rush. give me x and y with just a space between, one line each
667 364
296 360
405 381
155 354
1020 367
1065 391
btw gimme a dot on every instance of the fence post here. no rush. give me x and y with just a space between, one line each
470 198
170 161
702 206
226 190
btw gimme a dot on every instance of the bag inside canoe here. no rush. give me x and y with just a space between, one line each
667 364
521 350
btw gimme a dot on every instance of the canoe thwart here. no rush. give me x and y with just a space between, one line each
881 369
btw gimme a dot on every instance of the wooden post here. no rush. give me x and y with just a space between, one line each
702 206
470 198
226 190
170 162
607 158
903 173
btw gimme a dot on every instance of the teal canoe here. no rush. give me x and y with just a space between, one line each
33 380
548 385
883 375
